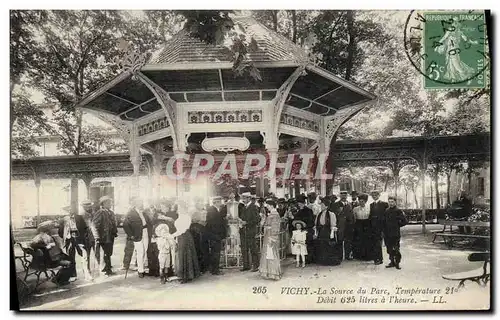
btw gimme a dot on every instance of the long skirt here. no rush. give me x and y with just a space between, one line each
363 240
270 263
329 252
187 267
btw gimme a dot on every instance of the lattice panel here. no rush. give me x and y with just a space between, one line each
299 122
152 126
196 117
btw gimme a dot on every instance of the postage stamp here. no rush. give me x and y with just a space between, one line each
452 48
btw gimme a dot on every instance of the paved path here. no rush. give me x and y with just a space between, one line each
423 265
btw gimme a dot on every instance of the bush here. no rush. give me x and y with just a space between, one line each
431 215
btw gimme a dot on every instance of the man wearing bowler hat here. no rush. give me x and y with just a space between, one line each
105 223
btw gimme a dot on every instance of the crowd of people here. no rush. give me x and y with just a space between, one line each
179 240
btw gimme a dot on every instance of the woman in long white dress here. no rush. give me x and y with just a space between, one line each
270 263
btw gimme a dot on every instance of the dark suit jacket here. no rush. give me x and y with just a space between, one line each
305 214
377 211
132 225
216 223
345 220
394 219
105 223
252 217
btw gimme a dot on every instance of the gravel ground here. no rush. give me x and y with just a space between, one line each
313 287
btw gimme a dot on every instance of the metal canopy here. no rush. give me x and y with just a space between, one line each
192 71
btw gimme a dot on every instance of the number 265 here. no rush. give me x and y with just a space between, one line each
259 290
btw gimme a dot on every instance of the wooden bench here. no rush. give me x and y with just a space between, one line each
450 235
33 262
480 275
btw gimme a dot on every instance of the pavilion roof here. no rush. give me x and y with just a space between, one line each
184 48
190 70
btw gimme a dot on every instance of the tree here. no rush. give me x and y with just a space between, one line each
409 177
75 53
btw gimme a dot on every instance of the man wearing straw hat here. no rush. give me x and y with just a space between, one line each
139 228
105 223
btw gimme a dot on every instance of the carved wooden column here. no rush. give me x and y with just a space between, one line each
87 178
323 149
135 159
179 169
74 194
273 154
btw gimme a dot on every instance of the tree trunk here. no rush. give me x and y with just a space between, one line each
406 197
469 181
351 46
294 26
436 187
296 187
274 14
386 183
415 197
448 187
432 198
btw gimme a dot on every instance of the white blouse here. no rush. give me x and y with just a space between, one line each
362 213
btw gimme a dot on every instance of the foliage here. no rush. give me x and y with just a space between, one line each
27 122
216 27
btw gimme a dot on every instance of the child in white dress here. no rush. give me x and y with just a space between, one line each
299 248
166 249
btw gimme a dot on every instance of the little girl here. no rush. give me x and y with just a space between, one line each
299 248
166 249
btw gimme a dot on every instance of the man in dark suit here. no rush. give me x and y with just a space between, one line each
105 223
216 231
138 227
306 214
394 219
377 211
343 210
248 232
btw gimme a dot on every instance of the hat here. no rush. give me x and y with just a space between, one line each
104 198
47 226
163 219
281 200
326 200
354 193
344 192
296 222
86 203
363 196
301 199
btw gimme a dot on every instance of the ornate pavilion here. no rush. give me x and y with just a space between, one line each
185 98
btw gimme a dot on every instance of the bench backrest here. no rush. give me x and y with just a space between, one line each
481 256
464 223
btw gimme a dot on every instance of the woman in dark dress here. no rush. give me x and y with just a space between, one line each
187 267
329 250
362 242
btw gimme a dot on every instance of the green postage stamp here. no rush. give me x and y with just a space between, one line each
455 49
